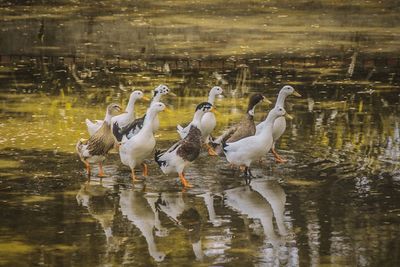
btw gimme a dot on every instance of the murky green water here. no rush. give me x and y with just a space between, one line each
336 202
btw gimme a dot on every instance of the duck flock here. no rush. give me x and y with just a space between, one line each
242 143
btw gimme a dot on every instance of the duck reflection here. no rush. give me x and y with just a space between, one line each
248 202
100 204
175 208
209 202
273 192
139 212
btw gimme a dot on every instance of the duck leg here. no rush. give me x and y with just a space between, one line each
101 172
133 175
278 158
210 150
184 181
88 169
145 169
248 175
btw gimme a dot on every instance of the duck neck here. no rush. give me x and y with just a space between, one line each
250 112
156 98
108 117
269 123
130 108
148 121
197 118
281 99
211 98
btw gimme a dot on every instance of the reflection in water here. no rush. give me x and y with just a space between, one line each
250 203
341 200
209 202
138 211
100 205
174 206
271 191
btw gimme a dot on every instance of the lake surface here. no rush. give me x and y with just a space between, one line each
336 202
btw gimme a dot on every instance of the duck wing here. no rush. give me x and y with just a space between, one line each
244 129
130 130
101 142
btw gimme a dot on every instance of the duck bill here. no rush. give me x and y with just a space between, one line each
265 100
167 110
288 116
145 98
170 93
214 110
295 93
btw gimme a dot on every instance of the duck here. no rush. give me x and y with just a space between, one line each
246 127
128 116
95 149
186 150
134 127
208 122
135 150
241 153
280 124
123 119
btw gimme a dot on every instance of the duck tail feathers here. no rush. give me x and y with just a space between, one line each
157 157
224 146
117 131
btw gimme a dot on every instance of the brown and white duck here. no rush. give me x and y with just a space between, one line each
95 149
185 151
246 127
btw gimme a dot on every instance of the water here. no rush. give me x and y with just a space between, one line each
335 202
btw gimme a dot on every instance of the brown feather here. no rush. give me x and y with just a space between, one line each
190 145
244 128
101 142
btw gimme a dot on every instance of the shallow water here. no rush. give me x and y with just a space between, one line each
334 203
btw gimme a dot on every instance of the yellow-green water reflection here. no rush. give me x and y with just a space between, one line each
337 192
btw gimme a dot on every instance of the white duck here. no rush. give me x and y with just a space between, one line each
246 150
208 122
124 118
280 123
185 151
138 211
133 151
134 127
128 116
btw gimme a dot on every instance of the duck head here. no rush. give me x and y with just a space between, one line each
254 100
289 90
113 109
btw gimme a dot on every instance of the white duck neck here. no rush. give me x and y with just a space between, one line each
211 97
197 118
130 108
151 114
269 123
281 99
156 98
